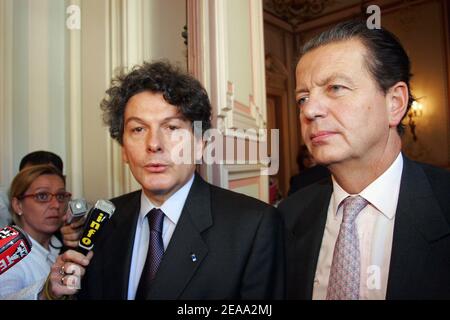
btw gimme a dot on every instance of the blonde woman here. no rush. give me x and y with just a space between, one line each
39 198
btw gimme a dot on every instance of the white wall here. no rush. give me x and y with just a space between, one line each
33 95
132 31
52 80
239 48
167 19
51 93
237 85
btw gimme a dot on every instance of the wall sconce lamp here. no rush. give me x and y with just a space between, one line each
414 113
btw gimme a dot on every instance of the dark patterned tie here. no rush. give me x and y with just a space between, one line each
344 278
154 254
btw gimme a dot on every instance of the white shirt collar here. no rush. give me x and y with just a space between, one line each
50 254
172 207
382 193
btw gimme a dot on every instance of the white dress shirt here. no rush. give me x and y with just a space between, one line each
26 279
172 208
375 225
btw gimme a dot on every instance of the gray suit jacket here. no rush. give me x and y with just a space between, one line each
238 242
420 258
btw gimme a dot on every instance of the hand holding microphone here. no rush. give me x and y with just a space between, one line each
98 217
75 219
66 273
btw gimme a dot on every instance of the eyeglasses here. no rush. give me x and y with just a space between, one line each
45 197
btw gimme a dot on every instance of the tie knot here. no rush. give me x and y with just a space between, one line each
352 207
155 219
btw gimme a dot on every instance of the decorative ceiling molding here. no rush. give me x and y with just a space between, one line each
306 14
297 11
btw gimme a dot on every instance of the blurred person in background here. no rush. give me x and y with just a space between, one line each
309 171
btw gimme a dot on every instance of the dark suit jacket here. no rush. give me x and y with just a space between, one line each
238 242
307 177
420 258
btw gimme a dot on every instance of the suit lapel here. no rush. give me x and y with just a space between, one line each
187 248
304 241
119 247
418 222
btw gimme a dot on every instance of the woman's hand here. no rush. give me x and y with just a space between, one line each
71 233
65 275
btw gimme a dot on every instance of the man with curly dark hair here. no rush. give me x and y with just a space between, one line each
179 237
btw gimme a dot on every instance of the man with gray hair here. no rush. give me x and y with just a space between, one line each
380 227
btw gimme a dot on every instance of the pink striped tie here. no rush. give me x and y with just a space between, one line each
345 271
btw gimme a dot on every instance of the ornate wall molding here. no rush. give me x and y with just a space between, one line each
127 46
75 149
231 113
238 176
6 38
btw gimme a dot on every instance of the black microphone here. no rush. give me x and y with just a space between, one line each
98 217
14 246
